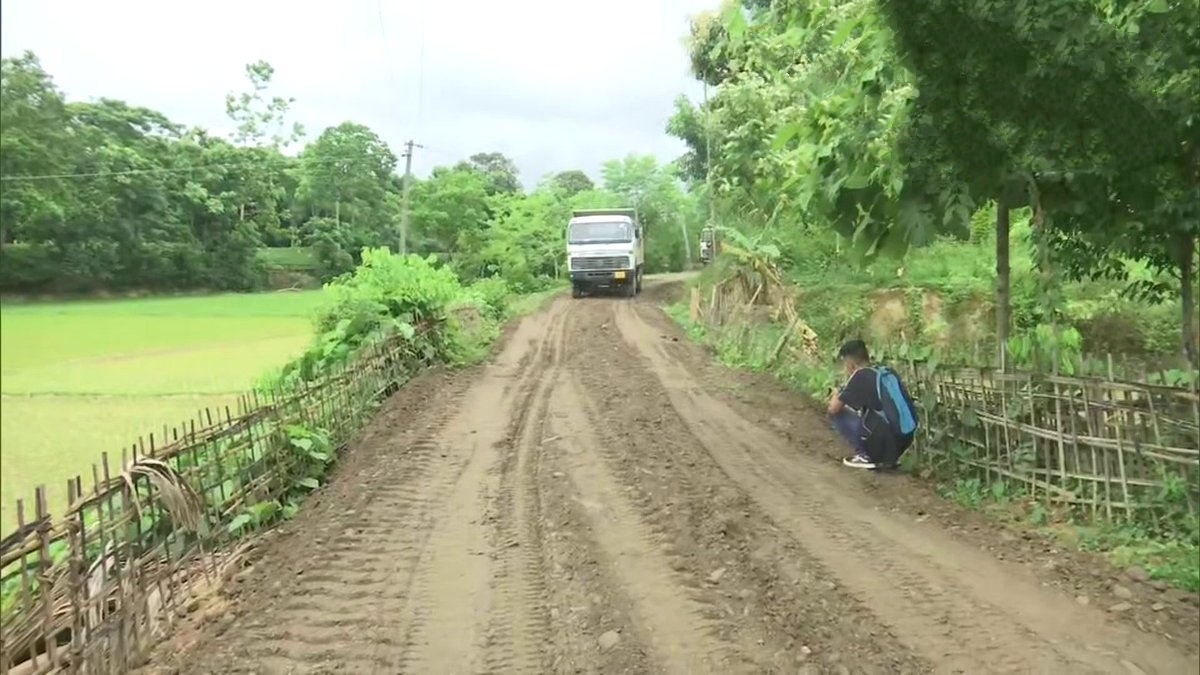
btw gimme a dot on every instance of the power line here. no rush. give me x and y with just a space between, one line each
383 35
421 67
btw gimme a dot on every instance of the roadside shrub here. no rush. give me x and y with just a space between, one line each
493 293
331 261
386 288
471 326
385 295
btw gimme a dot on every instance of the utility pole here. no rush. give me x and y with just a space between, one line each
711 226
687 244
407 203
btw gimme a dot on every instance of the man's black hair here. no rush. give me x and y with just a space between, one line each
856 350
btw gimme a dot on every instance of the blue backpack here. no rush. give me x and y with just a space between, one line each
898 409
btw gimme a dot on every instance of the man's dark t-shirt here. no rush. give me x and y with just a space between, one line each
860 392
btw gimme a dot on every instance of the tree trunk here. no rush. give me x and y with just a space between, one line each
1003 283
1048 278
1187 291
687 245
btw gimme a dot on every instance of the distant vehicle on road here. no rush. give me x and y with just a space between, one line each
708 242
606 250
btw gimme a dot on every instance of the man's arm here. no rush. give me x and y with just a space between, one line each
857 392
835 402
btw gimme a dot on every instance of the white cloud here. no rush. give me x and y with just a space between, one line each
554 84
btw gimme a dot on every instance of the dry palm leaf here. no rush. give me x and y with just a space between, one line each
182 502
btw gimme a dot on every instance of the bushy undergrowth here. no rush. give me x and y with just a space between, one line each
413 296
493 294
840 296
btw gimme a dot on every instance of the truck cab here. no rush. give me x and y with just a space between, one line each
606 251
708 244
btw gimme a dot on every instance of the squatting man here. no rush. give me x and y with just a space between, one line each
872 411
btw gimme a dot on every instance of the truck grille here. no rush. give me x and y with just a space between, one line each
615 262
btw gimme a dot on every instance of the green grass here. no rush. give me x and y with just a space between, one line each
294 257
82 378
1174 558
279 304
522 305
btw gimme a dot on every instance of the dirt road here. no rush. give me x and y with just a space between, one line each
600 498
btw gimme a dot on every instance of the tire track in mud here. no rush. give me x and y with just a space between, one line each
958 607
586 599
666 619
338 610
761 595
519 624
476 601
400 576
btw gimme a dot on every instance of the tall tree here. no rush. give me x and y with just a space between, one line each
35 147
656 192
451 210
262 126
1087 108
501 172
572 182
344 176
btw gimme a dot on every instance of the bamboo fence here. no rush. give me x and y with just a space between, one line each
1119 450
92 588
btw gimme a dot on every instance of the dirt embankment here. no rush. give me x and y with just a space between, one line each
601 498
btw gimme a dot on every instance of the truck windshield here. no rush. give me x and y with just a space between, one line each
614 232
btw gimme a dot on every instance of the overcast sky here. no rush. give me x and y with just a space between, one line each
553 84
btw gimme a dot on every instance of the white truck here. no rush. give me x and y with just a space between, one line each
606 250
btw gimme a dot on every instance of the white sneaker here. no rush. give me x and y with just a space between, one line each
859 462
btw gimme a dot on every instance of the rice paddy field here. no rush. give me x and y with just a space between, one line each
81 378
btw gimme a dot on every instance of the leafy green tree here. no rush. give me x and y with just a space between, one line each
526 244
262 127
501 172
690 124
572 182
1081 109
638 181
451 210
35 147
345 175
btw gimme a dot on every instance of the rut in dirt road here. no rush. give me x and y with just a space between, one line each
585 503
